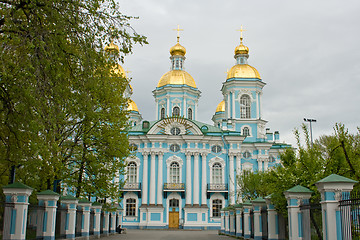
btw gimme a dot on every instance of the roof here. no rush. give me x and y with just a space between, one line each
68 197
17 185
337 178
48 192
299 189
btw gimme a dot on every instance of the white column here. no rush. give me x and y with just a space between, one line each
188 179
168 105
184 107
196 110
257 104
145 178
231 180
160 179
228 105
266 164
260 105
157 109
203 179
152 179
196 179
233 104
259 164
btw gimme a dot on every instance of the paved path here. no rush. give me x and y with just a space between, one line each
133 234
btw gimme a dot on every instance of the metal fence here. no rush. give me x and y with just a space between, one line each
313 229
350 215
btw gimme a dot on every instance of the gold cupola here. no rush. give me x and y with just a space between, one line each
132 106
220 107
177 49
111 47
242 69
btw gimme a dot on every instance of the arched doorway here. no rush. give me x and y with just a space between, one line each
174 213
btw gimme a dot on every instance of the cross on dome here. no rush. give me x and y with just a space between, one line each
241 30
178 32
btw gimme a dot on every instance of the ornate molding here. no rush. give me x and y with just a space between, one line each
217 160
174 159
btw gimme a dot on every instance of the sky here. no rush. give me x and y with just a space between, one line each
307 52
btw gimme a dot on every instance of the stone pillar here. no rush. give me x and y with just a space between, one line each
295 197
152 179
227 221
96 209
196 179
273 220
105 223
203 179
222 217
119 213
231 180
334 188
16 209
238 227
46 228
247 223
83 218
144 195
258 203
160 179
112 222
68 205
188 179
232 222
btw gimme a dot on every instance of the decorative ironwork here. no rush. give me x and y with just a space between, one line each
132 186
350 212
174 186
217 187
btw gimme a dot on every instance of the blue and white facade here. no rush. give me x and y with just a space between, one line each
182 171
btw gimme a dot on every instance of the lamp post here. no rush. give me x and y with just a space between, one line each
310 121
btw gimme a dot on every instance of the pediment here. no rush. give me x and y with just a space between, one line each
175 126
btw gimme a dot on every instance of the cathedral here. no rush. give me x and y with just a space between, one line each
182 172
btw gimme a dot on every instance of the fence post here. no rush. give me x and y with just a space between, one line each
105 223
83 221
112 222
48 200
273 220
68 203
332 188
119 212
247 222
232 221
96 209
258 203
16 209
222 217
227 220
295 197
238 228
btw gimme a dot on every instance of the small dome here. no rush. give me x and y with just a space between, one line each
119 70
177 77
132 106
243 71
241 49
177 50
220 107
111 47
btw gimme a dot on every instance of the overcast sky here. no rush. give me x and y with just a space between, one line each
307 52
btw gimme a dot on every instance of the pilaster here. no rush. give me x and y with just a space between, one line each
152 178
188 179
203 179
144 194
196 179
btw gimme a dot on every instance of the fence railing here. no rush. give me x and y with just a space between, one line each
350 215
217 187
174 186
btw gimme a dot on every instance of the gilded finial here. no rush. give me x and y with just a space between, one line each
241 30
178 32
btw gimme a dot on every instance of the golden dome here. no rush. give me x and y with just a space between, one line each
241 49
177 77
119 70
220 107
111 47
177 50
132 106
243 71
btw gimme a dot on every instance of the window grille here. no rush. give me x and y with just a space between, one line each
174 172
245 106
130 207
216 173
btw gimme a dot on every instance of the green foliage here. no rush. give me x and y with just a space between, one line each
62 108
338 153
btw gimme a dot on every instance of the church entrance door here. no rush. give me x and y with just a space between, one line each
173 219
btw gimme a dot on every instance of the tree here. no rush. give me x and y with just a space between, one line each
62 108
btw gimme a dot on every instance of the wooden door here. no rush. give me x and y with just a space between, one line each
173 219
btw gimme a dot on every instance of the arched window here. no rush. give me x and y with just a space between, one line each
216 207
190 113
162 113
131 172
130 207
217 173
174 172
245 106
174 203
246 131
176 111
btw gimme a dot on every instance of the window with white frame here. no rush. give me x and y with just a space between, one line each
176 111
216 170
162 113
246 131
130 207
216 207
174 172
131 172
245 108
190 113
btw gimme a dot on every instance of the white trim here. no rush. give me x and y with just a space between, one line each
138 163
131 195
250 130
247 166
173 196
222 163
169 161
213 197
